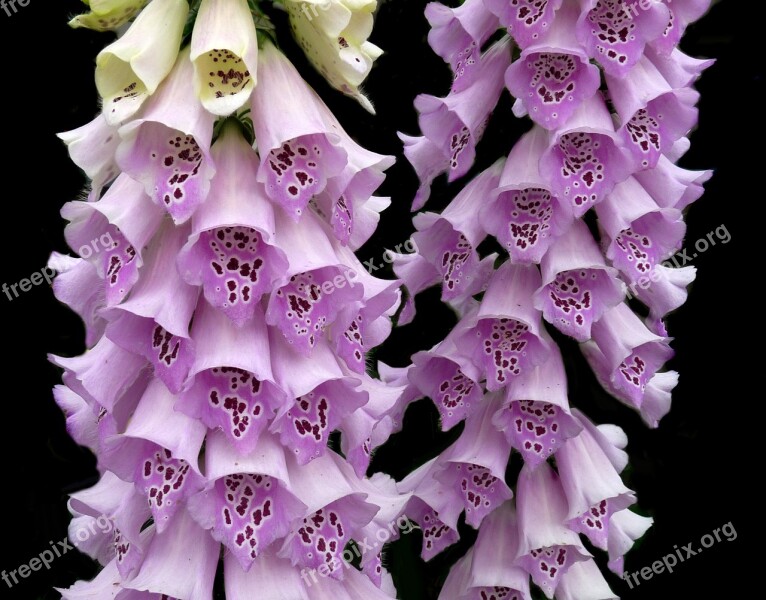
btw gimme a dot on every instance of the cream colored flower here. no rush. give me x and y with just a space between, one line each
334 36
224 50
129 70
105 15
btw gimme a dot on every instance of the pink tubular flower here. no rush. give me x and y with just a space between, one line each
300 147
446 246
532 215
609 144
228 341
553 76
455 124
586 159
526 20
547 548
167 149
578 286
535 415
458 35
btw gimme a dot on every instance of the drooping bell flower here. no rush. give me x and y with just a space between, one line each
535 415
123 222
578 286
616 33
92 147
532 215
231 251
224 50
449 379
298 145
586 159
503 338
547 548
553 75
334 36
130 69
458 35
456 123
493 571
640 237
592 486
653 115
625 355
526 20
168 147
105 15
474 466
447 242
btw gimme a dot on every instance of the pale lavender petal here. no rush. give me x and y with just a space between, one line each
493 569
535 417
81 419
298 146
437 535
306 425
449 379
251 511
428 161
458 35
417 274
547 548
271 577
526 20
456 123
112 233
585 159
625 355
186 548
171 356
476 463
615 33
679 69
78 285
672 186
503 338
553 76
92 148
523 214
625 528
592 486
584 580
449 240
657 398
161 280
653 115
682 13
168 148
88 375
578 286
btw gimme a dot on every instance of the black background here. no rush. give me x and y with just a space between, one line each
694 474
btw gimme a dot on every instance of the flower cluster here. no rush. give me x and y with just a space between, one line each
585 208
228 320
